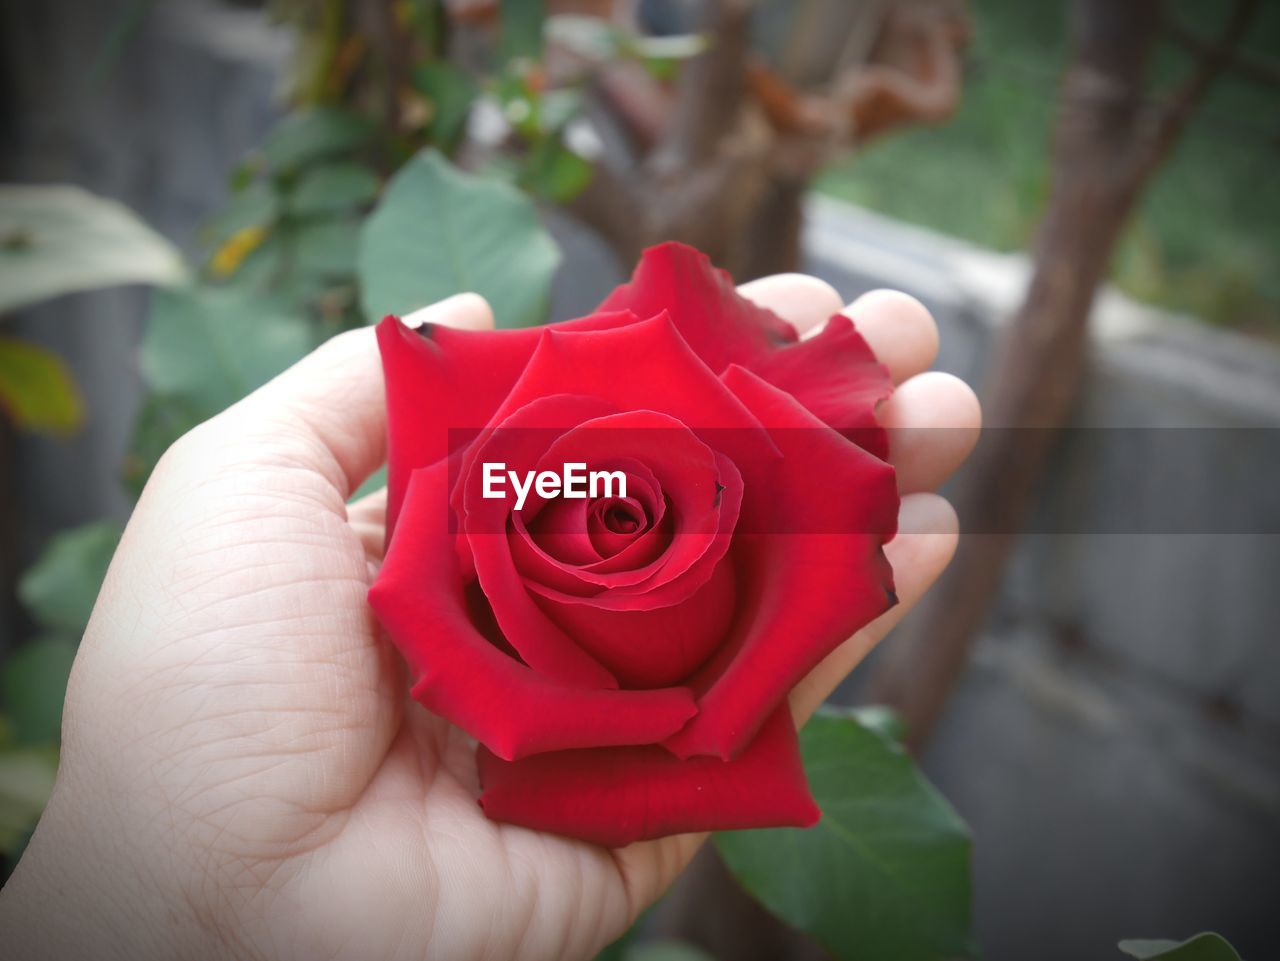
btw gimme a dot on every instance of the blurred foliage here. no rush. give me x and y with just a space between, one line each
26 781
884 876
346 214
60 588
1205 946
484 236
208 347
36 389
281 275
32 686
57 240
1206 239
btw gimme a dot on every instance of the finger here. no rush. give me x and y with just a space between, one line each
327 412
921 551
368 518
933 422
899 329
804 302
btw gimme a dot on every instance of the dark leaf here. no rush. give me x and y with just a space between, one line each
32 686
450 93
333 188
438 232
884 876
520 34
211 346
315 134
62 586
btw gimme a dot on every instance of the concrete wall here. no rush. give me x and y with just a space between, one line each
1115 742
158 129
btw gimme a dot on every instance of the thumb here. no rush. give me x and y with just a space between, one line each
327 412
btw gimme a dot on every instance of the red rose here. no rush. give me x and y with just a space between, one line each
625 662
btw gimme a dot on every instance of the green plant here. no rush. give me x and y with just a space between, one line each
345 213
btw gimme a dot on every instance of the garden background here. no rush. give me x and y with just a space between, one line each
1114 736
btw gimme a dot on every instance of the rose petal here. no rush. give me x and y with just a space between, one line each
548 526
642 366
811 565
587 580
658 641
559 533
720 325
618 796
659 631
440 379
687 563
419 597
837 377
519 442
693 478
835 374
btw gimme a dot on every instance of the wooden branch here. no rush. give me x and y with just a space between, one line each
1173 119
712 88
1254 67
1101 125
915 78
636 100
611 205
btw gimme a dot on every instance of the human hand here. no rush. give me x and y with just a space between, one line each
243 773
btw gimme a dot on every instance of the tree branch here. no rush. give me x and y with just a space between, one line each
1106 147
712 88
1251 66
610 204
1154 149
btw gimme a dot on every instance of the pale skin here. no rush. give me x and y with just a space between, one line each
243 774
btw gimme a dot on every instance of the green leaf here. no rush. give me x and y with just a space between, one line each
36 388
313 135
255 205
439 232
326 248
211 346
26 781
451 93
160 421
884 876
62 585
555 172
58 239
32 686
264 266
520 29
333 188
666 951
1206 946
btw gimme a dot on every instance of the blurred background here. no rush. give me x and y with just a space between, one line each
1084 193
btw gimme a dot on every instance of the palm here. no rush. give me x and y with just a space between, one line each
479 887
234 689
364 814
